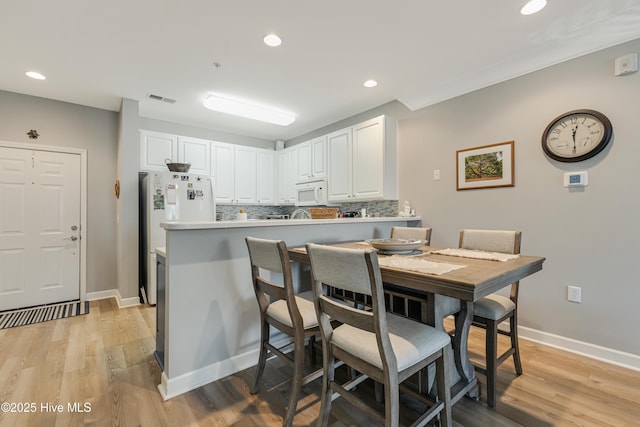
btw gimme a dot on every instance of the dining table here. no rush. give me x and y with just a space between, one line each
448 283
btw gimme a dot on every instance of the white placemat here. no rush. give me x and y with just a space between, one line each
418 264
470 253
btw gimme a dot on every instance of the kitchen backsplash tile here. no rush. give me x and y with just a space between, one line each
378 208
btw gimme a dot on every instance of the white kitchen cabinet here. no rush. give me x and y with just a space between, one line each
235 173
222 160
197 152
312 159
362 161
245 176
287 174
265 189
155 149
340 161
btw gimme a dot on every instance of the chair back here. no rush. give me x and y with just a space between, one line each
272 256
505 241
354 270
412 233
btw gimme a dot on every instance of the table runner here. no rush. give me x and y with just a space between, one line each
477 254
418 264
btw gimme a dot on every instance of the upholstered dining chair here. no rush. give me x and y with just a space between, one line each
279 307
494 309
414 233
378 345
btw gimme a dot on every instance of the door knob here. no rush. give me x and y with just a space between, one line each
72 238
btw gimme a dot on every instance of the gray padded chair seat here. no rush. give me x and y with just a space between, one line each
493 307
411 341
279 311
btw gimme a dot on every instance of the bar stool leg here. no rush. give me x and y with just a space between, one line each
492 365
513 322
296 385
262 360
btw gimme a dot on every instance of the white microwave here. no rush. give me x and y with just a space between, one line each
311 193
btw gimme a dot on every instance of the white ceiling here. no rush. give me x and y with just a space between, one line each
95 52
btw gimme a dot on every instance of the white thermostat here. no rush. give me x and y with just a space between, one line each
576 179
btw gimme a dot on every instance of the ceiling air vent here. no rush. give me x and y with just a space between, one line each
161 98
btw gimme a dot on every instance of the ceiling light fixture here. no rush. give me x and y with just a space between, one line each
533 6
35 75
370 83
237 107
272 40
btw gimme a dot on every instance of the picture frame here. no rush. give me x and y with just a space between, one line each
487 166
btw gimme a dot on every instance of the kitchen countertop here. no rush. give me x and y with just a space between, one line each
199 225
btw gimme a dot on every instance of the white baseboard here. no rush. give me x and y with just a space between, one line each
604 354
170 388
93 296
173 387
113 293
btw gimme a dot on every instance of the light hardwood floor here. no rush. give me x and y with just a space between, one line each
105 360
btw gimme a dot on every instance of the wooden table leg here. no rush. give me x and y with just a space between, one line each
464 367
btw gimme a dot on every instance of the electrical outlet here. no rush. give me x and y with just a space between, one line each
436 174
574 294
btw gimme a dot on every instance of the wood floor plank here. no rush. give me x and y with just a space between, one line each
105 359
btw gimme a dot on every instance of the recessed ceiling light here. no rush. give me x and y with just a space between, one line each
35 75
272 40
242 108
533 6
370 83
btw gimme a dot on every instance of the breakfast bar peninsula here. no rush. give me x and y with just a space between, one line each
208 318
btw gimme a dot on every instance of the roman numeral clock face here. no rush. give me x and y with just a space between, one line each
576 135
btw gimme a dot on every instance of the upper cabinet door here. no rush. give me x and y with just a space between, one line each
319 158
287 174
155 149
265 192
339 148
197 152
245 175
223 171
312 159
304 162
368 159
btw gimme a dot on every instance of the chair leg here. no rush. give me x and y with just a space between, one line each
491 361
378 390
391 403
262 359
443 367
312 349
296 383
328 367
513 322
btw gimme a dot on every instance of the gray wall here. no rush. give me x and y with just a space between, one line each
68 125
127 206
590 237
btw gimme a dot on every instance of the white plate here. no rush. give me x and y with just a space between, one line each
413 252
395 245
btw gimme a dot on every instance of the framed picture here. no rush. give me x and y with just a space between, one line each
485 167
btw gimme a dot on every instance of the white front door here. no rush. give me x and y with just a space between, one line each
39 227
